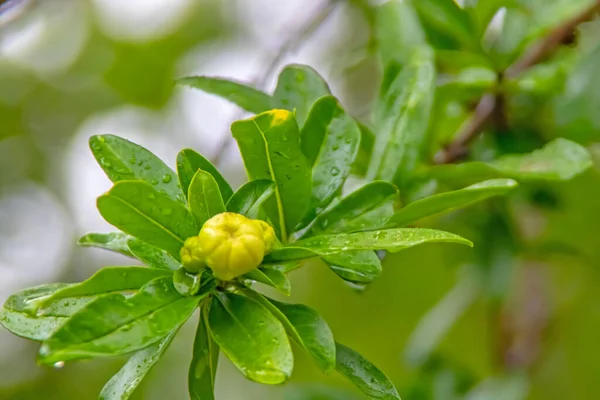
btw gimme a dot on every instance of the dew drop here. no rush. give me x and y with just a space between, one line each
132 159
335 171
335 147
154 182
166 178
59 364
146 167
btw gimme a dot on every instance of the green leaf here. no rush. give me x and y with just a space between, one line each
446 17
389 239
355 266
329 139
305 326
152 256
123 160
204 197
559 160
245 96
270 277
189 162
113 241
203 368
19 317
270 147
361 209
135 323
398 31
401 120
450 200
367 377
252 338
107 280
139 210
298 87
249 198
365 149
124 382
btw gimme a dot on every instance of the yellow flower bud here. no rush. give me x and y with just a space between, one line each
232 245
268 235
191 257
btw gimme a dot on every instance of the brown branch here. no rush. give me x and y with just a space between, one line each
486 107
290 45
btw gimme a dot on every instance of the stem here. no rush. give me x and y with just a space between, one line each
290 45
486 108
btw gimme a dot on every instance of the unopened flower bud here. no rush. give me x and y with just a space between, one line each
232 245
191 257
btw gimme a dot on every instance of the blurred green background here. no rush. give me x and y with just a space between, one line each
518 317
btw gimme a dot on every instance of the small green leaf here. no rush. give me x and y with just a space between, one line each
298 87
365 149
107 280
447 18
113 241
135 323
19 317
189 162
249 198
450 200
398 31
204 197
389 239
305 326
559 160
270 147
329 139
129 377
123 160
401 121
246 97
270 277
203 368
361 209
152 256
139 210
252 338
355 266
367 377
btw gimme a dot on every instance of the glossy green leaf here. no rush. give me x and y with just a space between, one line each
113 241
558 160
249 198
401 121
243 95
252 338
123 160
135 323
152 256
447 18
129 377
19 316
270 147
388 239
366 376
105 281
398 31
355 266
270 277
329 139
366 208
305 326
450 200
205 359
189 162
204 197
298 87
139 210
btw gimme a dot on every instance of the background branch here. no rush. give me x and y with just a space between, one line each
486 108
